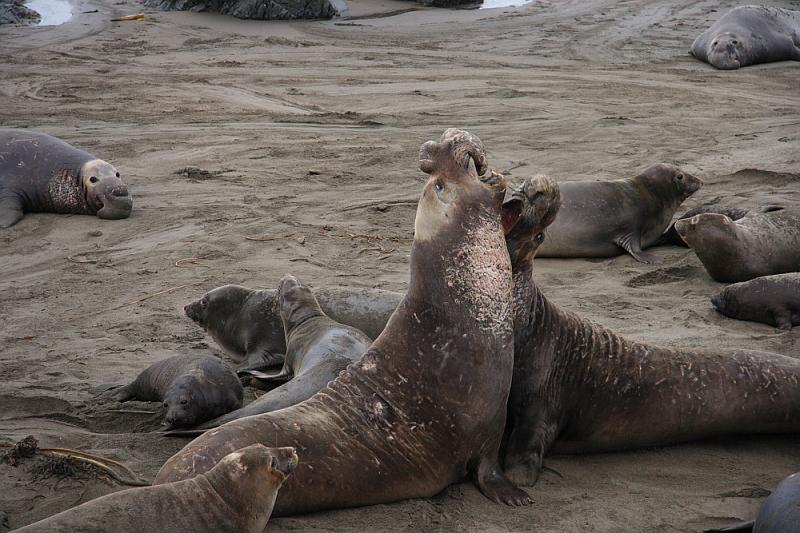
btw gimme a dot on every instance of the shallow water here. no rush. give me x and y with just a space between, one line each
490 4
53 12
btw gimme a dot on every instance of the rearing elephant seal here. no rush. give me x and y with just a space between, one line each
607 218
39 173
236 495
773 300
747 35
426 405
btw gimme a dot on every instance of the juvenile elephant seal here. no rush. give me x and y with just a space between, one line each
760 244
780 512
773 300
748 35
39 173
607 218
193 389
236 495
671 235
426 405
247 325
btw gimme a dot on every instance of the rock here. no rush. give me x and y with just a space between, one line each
254 9
15 12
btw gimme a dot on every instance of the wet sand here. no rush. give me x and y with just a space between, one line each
303 138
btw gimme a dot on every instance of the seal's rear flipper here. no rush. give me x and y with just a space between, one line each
259 360
742 526
10 212
630 243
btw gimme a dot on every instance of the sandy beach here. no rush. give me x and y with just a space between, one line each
254 149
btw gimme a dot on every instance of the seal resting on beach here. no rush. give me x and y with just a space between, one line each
607 218
193 389
39 173
748 35
671 235
236 495
425 407
780 512
773 300
760 244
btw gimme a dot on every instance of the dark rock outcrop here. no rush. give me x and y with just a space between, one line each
15 12
254 9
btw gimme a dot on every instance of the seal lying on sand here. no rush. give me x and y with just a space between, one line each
773 300
579 387
39 173
671 235
318 349
780 512
247 325
426 405
760 244
193 389
607 218
236 495
748 35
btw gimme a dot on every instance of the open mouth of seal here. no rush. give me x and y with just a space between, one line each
114 204
510 214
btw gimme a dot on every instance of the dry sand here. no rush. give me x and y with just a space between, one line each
307 134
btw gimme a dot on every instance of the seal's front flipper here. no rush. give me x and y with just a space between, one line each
259 360
783 320
10 212
123 394
495 485
631 243
280 377
742 526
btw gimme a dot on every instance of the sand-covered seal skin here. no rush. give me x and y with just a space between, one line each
608 218
426 405
760 244
246 322
671 235
194 389
237 495
748 35
773 300
39 173
579 387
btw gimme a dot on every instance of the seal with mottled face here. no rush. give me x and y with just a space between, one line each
748 35
773 300
579 387
760 244
671 235
607 218
236 495
193 389
39 173
246 323
426 405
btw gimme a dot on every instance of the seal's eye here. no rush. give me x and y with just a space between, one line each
679 177
117 174
735 43
184 401
539 237
439 185
93 179
166 404
714 44
204 303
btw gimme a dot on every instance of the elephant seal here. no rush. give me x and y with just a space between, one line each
426 405
193 389
748 35
760 244
39 173
318 349
671 235
773 300
247 325
579 387
236 495
780 512
607 218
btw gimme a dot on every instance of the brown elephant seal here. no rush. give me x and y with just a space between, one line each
426 405
760 244
607 218
39 173
317 350
748 35
247 325
773 300
579 387
671 235
236 495
193 389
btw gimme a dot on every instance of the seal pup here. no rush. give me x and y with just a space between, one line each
760 244
671 235
426 405
193 389
246 322
236 495
607 218
39 173
748 35
773 300
579 387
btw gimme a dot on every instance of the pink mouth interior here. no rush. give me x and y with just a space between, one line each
510 215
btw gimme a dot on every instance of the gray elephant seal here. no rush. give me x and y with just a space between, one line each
579 387
773 300
607 218
246 323
780 512
760 244
671 235
39 173
426 405
748 35
236 495
193 389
